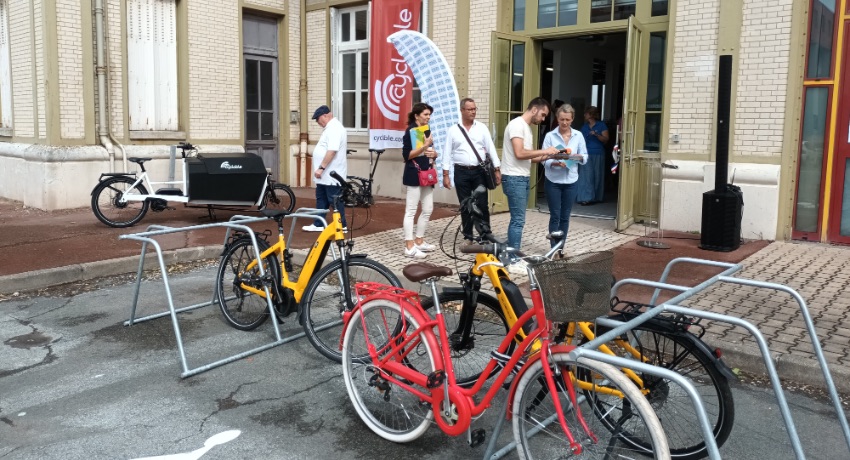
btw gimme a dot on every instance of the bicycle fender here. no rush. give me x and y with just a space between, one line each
531 360
721 366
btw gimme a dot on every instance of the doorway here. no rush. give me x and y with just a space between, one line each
260 60
586 71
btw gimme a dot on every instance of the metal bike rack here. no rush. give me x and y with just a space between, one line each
237 223
619 327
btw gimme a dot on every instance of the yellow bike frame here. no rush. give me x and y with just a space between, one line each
332 232
490 266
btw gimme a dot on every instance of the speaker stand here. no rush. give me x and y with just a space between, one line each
653 242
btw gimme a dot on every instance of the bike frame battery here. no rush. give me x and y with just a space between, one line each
225 178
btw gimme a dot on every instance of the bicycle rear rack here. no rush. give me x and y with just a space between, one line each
237 223
618 328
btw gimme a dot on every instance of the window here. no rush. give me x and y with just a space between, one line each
351 76
551 13
820 41
5 68
152 65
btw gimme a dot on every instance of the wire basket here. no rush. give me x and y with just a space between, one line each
578 288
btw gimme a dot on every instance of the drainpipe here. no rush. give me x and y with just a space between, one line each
102 130
303 137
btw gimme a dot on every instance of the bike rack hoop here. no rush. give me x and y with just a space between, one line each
148 237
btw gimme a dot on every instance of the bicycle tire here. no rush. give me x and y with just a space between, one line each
673 406
539 437
280 197
106 205
385 407
488 330
323 301
243 309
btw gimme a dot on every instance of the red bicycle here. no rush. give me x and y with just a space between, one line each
399 375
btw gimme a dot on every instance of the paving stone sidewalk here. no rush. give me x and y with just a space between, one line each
818 272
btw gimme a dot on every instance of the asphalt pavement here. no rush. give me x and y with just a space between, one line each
78 384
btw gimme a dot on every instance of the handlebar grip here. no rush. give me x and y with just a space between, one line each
341 181
478 248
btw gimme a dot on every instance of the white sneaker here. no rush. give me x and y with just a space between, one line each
518 268
312 228
415 253
425 247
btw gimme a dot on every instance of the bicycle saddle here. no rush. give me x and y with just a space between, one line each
275 213
422 271
139 160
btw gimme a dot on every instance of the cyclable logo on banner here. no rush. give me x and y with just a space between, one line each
391 78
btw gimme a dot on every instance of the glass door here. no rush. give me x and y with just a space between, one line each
513 75
838 227
636 49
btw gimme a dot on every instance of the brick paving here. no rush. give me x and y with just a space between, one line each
819 273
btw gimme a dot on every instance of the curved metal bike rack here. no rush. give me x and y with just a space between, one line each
589 349
237 223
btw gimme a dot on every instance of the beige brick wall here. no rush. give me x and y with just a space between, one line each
214 80
22 58
278 4
116 27
762 89
444 24
694 75
293 63
317 68
40 88
482 21
70 67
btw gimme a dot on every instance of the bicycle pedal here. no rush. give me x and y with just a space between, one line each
436 378
476 437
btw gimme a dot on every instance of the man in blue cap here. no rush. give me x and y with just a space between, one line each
329 155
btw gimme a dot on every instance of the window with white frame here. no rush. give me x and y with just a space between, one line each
5 68
152 64
350 57
351 66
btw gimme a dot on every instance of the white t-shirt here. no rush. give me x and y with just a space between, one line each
334 137
510 165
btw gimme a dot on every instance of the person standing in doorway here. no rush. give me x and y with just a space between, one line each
517 156
467 145
561 175
417 158
591 182
329 155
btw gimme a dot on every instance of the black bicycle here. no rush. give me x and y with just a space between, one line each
359 193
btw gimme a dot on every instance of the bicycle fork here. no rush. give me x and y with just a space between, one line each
550 375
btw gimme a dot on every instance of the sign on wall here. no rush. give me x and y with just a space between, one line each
391 85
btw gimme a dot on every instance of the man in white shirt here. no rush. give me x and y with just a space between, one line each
458 155
329 155
517 156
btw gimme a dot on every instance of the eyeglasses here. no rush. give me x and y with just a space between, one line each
474 109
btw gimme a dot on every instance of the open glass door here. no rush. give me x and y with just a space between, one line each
513 56
635 50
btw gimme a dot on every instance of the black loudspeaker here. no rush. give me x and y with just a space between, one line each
721 219
722 208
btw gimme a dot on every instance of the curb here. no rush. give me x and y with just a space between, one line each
40 279
747 358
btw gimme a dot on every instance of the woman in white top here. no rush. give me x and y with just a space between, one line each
561 175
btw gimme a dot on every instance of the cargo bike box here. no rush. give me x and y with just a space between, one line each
225 178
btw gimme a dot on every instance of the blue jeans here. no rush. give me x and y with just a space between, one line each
324 199
561 198
591 179
516 190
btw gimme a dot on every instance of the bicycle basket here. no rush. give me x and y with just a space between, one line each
576 289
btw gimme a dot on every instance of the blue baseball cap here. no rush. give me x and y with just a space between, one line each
321 111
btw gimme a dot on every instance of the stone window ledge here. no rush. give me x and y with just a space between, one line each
157 135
